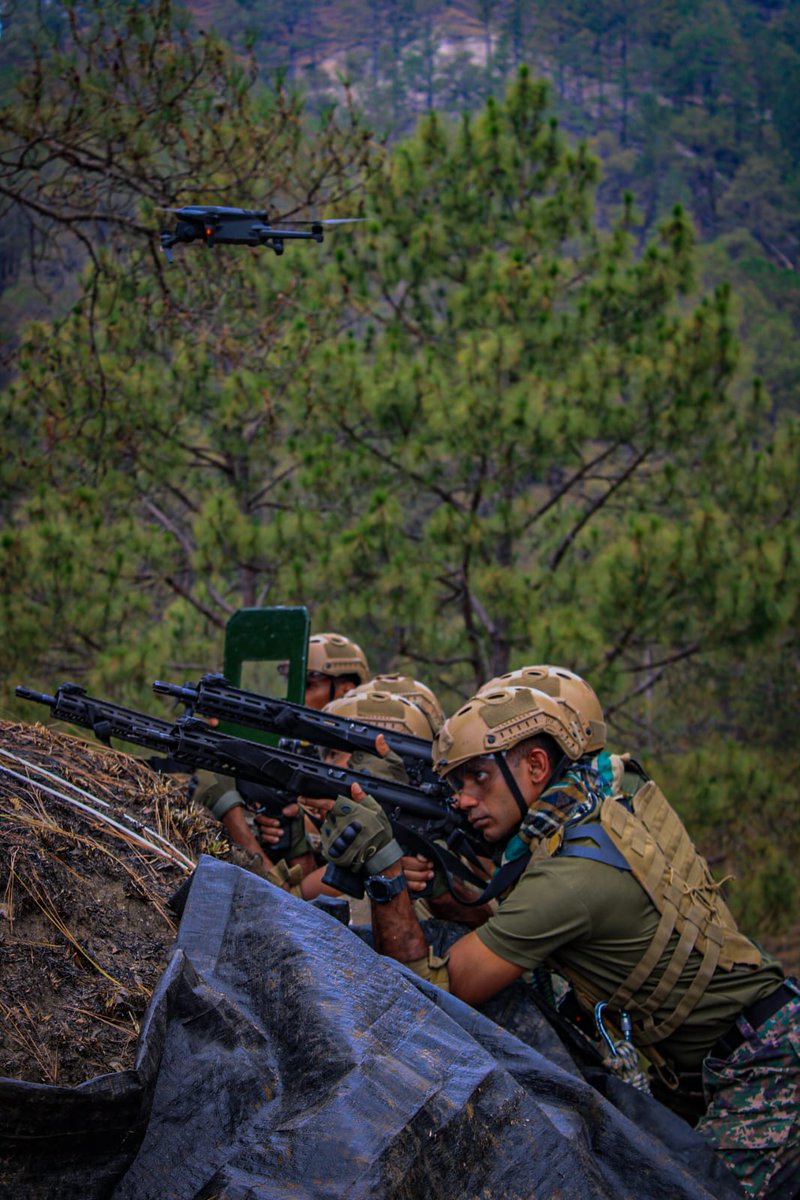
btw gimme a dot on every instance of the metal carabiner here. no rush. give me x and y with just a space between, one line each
625 1024
601 1029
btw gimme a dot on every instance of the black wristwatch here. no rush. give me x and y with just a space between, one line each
382 888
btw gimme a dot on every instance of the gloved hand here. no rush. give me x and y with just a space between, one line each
357 836
286 877
387 766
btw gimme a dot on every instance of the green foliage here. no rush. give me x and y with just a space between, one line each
554 432
691 104
735 800
149 421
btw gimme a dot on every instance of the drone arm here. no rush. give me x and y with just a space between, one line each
168 240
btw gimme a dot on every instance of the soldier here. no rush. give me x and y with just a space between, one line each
382 709
427 721
609 890
418 693
566 685
383 714
334 666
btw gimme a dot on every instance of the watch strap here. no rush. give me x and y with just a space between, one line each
383 888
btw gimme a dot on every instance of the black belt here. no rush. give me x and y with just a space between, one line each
755 1015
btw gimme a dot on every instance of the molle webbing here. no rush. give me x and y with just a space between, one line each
655 844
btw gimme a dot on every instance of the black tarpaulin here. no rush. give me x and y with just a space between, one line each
282 1058
298 1063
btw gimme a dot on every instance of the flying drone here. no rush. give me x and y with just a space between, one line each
216 225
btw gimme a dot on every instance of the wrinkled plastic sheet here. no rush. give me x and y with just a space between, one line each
281 1057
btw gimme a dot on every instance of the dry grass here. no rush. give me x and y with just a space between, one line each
92 846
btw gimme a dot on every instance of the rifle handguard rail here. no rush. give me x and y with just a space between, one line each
214 696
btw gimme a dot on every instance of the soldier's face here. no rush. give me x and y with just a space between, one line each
483 795
321 689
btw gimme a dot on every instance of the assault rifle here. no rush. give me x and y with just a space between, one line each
422 823
72 704
213 696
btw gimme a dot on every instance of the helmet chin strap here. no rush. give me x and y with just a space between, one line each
500 758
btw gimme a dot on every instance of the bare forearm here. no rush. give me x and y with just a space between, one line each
312 885
395 929
448 908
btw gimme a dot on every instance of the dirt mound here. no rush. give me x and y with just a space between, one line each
92 845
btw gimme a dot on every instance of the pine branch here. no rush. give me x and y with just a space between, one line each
601 501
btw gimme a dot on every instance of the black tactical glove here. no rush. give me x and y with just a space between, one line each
357 837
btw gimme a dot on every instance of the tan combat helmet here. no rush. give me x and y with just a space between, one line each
565 685
334 655
389 711
494 721
418 693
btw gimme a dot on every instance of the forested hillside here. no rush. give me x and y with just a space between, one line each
683 102
514 415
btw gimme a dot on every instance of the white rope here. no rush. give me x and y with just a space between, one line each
173 853
49 775
95 800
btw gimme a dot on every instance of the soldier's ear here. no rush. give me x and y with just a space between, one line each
538 763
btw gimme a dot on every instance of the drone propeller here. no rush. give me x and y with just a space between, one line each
199 210
328 221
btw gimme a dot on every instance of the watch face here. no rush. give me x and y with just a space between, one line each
381 888
377 890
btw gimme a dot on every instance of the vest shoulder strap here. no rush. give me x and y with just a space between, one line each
601 850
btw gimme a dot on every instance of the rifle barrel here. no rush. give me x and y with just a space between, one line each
25 693
187 694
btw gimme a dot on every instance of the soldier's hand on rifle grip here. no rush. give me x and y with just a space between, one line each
418 870
271 829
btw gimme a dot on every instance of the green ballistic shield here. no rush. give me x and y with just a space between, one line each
257 640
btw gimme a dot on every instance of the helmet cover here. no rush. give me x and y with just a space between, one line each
565 685
332 654
494 721
388 711
418 693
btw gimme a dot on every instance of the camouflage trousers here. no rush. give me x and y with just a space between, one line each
753 1115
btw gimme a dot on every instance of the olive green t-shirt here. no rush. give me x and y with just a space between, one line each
596 919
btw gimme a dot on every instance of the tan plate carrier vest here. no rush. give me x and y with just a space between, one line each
654 843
